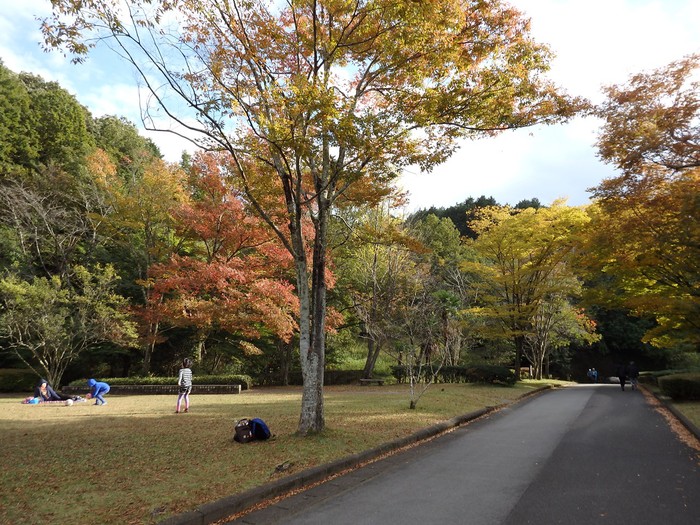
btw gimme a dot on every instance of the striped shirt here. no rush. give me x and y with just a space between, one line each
185 377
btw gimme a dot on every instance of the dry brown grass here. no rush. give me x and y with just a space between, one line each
135 461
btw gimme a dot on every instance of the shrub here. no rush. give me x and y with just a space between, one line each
653 377
228 379
681 387
17 380
491 374
334 377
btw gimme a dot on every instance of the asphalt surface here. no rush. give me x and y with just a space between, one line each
581 455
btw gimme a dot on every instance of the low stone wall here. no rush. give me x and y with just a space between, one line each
156 389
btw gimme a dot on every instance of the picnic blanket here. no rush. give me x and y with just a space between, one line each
31 401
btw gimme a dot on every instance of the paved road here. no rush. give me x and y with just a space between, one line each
582 455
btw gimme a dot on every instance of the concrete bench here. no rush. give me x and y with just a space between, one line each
156 389
365 382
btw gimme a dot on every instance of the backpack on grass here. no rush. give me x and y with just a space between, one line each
242 431
260 429
248 429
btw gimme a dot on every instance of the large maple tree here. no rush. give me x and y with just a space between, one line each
231 273
322 101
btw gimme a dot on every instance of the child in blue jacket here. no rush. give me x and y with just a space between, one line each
99 389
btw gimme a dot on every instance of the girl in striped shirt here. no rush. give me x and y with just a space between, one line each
184 381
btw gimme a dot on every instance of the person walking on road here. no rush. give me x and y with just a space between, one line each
633 373
593 374
622 375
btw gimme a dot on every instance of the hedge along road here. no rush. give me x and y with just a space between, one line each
580 455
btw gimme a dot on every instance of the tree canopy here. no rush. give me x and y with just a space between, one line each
525 264
645 223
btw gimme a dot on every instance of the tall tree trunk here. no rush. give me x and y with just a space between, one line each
372 346
519 341
199 347
152 330
373 350
312 326
149 348
285 351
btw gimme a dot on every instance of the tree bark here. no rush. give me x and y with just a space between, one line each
312 325
373 350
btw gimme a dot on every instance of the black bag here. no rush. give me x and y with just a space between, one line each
243 432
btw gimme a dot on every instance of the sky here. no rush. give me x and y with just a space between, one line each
596 43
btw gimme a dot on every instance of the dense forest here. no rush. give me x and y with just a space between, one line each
114 262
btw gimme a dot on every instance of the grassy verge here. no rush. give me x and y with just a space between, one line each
136 461
690 409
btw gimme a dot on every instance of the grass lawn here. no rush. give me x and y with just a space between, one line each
136 461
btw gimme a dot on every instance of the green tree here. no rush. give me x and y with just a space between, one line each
64 140
138 227
320 103
424 322
372 266
50 232
19 147
528 203
460 214
128 151
48 322
455 289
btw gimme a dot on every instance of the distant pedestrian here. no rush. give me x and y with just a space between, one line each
184 382
593 375
98 390
633 373
622 375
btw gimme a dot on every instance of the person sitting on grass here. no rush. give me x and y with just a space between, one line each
98 390
44 392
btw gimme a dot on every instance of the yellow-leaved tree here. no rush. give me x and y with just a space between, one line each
526 268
